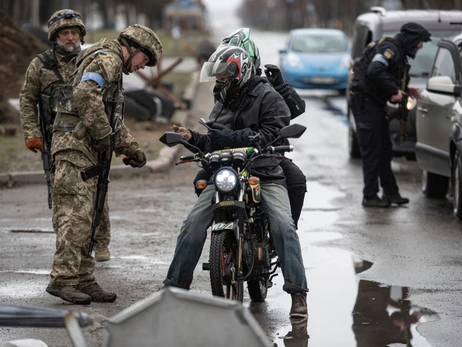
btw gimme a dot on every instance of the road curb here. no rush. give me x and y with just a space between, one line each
162 163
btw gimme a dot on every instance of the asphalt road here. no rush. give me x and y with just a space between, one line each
416 248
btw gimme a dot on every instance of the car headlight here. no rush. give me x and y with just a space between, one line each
345 63
226 180
294 60
411 103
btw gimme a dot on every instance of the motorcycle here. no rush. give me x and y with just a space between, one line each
241 248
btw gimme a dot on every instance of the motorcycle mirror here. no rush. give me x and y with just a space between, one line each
171 139
292 131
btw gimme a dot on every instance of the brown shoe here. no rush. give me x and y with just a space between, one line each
299 307
69 293
102 254
97 293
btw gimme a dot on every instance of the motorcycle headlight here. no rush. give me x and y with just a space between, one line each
226 180
411 102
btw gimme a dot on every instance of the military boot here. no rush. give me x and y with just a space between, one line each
395 199
299 307
375 201
102 254
69 293
97 293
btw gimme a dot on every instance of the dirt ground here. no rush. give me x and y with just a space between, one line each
14 155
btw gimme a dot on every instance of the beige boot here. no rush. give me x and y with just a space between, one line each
69 293
102 254
97 293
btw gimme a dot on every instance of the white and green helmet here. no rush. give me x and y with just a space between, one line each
241 38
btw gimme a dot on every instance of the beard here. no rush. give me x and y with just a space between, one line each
68 47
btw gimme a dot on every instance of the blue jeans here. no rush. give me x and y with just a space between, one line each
193 234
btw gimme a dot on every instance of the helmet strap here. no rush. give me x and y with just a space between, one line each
128 63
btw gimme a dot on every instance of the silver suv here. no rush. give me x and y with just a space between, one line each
378 23
439 125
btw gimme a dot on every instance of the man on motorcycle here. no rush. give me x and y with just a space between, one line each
295 179
246 104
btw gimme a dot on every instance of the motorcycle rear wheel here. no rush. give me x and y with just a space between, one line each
223 259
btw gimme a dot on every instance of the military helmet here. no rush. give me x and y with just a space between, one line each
63 19
241 38
145 39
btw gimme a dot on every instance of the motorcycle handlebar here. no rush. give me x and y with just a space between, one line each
279 149
187 157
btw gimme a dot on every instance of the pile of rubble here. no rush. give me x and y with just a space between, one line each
18 49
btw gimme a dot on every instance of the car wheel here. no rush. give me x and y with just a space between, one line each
353 144
457 186
433 185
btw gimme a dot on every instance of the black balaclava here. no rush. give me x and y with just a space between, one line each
410 35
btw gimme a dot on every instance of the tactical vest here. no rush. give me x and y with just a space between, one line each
67 117
360 81
50 94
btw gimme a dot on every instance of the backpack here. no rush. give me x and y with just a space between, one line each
360 66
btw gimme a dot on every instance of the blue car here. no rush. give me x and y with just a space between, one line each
316 59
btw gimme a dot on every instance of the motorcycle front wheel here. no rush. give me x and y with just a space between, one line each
223 263
258 289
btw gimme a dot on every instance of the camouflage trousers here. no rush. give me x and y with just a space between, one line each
103 232
73 207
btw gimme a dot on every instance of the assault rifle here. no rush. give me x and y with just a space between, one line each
403 116
403 110
46 155
102 171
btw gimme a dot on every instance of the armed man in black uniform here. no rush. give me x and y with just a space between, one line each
381 75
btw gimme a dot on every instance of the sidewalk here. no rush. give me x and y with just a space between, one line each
201 98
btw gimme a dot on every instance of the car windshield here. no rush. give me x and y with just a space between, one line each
319 43
422 63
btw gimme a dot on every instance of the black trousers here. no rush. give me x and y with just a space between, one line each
296 186
375 144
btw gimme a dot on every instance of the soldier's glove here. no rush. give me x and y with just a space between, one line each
138 159
35 143
103 144
222 138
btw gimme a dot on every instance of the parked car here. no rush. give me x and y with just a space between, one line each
439 125
316 59
378 23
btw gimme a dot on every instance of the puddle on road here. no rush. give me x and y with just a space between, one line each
344 310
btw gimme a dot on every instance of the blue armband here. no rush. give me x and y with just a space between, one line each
380 58
95 77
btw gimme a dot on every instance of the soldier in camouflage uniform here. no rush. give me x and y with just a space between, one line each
81 131
45 76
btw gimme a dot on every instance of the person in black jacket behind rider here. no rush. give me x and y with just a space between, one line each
295 179
380 82
246 105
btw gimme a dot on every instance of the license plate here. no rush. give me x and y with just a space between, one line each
322 80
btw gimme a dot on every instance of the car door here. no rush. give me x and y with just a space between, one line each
435 111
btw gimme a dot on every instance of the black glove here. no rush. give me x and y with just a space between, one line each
284 90
274 75
103 144
138 159
222 138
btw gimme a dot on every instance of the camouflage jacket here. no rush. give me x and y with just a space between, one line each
37 87
81 116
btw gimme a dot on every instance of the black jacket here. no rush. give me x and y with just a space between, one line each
385 72
260 109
